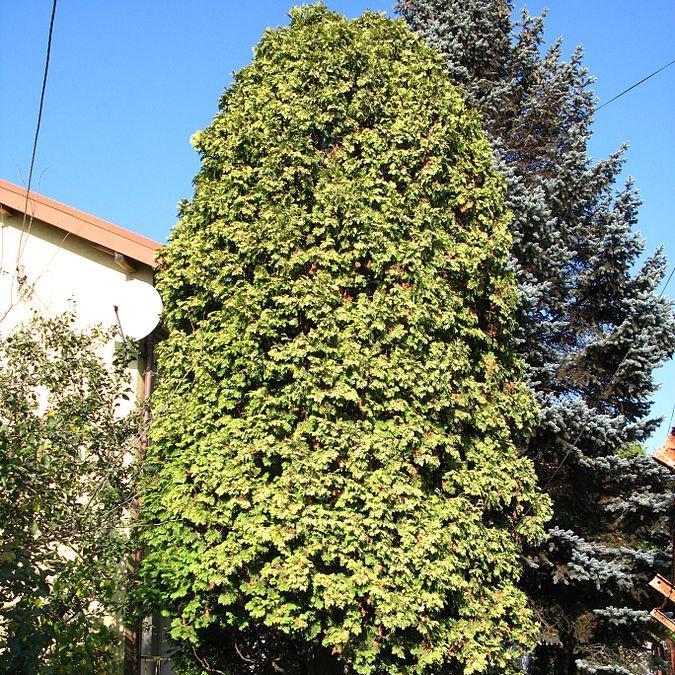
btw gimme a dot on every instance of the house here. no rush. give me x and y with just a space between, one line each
55 258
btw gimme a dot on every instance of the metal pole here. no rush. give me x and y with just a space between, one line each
136 632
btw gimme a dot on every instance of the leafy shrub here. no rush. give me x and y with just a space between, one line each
336 464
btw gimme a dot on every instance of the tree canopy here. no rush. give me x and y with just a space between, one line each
65 487
336 474
592 327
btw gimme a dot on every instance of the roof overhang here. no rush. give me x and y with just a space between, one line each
102 234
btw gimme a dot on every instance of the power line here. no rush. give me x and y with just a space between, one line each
42 102
637 84
670 276
663 290
37 132
25 230
670 426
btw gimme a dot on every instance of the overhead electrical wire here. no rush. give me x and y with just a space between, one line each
25 229
670 276
672 415
637 84
36 137
41 106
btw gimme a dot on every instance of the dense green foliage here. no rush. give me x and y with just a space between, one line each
335 476
592 328
64 484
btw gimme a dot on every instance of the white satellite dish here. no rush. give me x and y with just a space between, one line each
136 308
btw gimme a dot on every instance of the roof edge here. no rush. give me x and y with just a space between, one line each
95 230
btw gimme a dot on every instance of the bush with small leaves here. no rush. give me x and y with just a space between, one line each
336 469
65 486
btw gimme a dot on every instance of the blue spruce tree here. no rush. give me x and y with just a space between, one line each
593 328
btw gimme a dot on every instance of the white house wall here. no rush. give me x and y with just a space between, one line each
49 271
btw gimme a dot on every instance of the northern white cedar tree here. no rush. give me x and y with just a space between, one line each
336 480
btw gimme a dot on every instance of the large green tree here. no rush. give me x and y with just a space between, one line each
591 326
335 478
65 487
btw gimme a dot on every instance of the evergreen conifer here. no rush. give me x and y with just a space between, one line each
335 480
592 329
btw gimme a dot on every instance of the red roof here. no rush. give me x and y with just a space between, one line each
97 231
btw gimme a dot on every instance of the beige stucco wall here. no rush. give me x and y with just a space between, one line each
47 271
56 272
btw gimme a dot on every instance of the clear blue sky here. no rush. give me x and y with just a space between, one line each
131 80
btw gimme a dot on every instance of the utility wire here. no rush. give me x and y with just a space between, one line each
670 276
663 290
25 229
637 84
39 118
670 425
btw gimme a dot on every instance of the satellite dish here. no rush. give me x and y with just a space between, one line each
136 308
